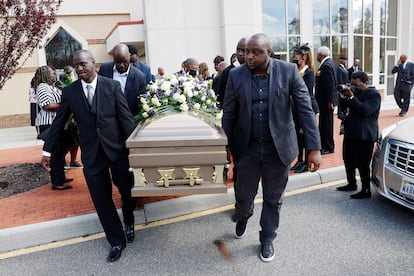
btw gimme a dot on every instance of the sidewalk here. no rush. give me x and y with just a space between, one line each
44 215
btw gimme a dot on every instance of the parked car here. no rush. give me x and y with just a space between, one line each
393 163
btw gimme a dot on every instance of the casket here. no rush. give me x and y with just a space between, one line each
178 154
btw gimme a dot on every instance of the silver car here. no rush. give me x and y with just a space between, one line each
393 163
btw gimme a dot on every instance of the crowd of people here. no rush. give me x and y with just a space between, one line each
274 113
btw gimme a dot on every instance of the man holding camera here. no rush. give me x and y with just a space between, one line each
361 131
404 83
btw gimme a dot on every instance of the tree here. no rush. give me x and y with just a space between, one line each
23 24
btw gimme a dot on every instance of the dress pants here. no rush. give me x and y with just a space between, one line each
57 161
357 154
98 177
274 176
326 129
402 95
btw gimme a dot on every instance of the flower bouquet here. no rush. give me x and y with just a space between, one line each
179 93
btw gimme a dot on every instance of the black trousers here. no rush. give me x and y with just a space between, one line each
99 178
326 128
57 161
274 176
402 93
357 154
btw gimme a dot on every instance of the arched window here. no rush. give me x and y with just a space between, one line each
60 48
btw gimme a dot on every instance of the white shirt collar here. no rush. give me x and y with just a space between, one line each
92 83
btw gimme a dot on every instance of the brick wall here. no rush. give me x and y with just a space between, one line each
16 120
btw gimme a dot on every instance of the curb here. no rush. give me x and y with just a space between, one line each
62 229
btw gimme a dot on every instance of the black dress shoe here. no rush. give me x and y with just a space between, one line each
347 188
115 253
63 187
67 180
297 165
302 168
129 233
324 151
361 195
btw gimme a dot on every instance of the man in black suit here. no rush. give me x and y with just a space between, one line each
258 121
326 96
241 45
104 122
403 84
361 132
354 68
131 79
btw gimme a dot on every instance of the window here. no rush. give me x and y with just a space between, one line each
330 26
60 49
281 21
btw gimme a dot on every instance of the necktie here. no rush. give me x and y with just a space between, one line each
89 94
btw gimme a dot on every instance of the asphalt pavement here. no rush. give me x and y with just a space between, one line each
322 232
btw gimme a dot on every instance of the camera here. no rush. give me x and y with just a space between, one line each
342 87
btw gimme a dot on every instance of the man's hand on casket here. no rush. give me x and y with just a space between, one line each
45 162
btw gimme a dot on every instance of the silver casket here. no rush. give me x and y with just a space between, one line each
178 154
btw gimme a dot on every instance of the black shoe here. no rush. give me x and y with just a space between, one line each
302 168
324 151
115 253
240 229
297 165
67 180
129 233
267 253
347 188
361 195
63 187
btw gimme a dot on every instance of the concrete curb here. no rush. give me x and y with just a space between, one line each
57 230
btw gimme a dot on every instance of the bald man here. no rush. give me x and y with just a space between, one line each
258 121
132 80
403 84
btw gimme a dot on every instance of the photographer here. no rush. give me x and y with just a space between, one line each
360 131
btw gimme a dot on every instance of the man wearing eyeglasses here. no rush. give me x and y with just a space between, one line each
131 79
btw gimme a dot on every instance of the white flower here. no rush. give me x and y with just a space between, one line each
143 100
176 97
165 85
197 106
144 114
184 107
219 115
189 91
155 101
146 107
208 102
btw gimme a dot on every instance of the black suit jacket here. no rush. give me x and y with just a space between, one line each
135 84
108 123
325 89
285 85
223 84
362 120
342 75
406 75
351 70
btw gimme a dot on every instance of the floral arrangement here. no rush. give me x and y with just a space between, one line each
179 93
